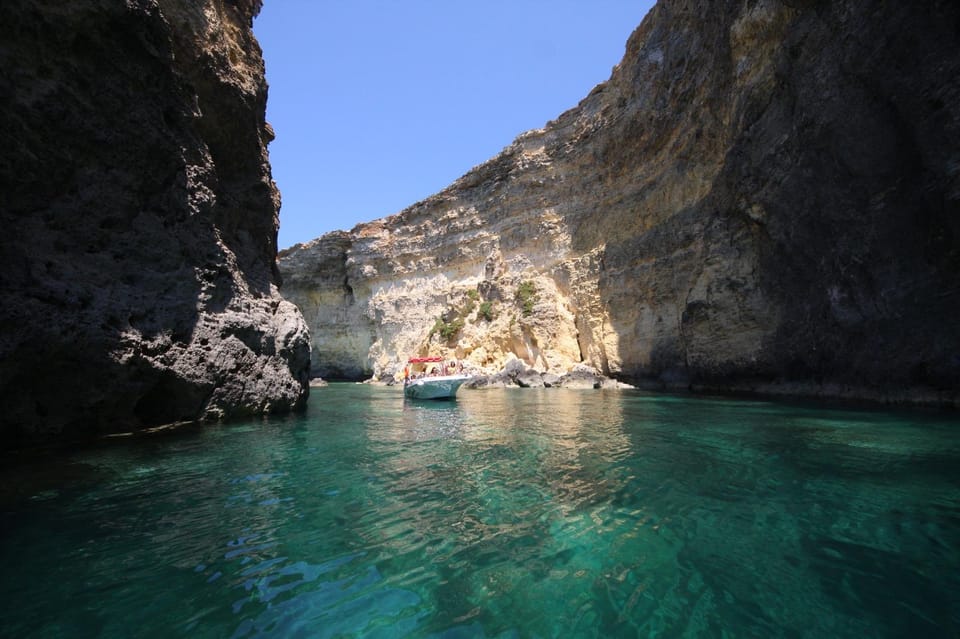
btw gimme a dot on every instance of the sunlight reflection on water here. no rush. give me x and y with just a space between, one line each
506 513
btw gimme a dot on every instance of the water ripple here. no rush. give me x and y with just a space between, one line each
541 513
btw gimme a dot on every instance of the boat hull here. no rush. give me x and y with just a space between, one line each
444 387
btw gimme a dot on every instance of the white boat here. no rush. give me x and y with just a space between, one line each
432 378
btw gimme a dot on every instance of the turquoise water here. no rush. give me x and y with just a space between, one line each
510 513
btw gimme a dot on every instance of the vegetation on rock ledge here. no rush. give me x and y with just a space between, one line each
486 311
527 296
447 330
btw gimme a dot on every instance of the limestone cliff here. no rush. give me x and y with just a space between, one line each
764 195
139 220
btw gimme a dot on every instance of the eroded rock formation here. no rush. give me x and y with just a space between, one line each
139 220
765 195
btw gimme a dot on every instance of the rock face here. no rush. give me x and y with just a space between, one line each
764 195
139 282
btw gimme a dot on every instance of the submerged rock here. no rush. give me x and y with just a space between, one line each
139 283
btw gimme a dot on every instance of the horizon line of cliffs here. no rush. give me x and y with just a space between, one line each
763 196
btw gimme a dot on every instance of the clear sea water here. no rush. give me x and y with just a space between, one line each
509 513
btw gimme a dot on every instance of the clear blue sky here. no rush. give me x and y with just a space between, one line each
379 104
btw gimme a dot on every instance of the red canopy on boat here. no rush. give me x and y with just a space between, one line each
423 360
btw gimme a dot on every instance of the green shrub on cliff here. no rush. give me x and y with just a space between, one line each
527 296
453 320
486 311
447 330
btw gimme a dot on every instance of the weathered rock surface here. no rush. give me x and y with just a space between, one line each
139 220
516 373
764 196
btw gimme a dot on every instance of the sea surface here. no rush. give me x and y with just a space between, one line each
508 513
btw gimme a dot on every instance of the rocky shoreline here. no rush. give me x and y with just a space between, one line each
518 374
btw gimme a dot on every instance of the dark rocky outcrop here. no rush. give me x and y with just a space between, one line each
139 220
764 196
